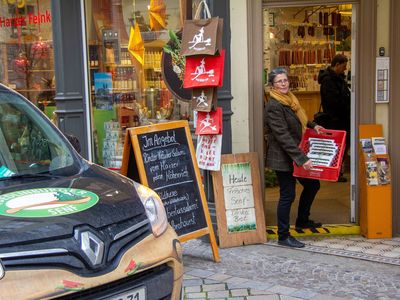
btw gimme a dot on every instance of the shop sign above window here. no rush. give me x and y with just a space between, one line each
17 19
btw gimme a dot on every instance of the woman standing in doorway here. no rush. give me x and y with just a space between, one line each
285 122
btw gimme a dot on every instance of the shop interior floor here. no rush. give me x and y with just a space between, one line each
331 205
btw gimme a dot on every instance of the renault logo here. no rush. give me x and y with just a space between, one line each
93 247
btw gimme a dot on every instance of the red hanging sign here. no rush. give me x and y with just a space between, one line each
209 122
203 71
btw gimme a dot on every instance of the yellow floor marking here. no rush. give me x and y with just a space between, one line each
325 230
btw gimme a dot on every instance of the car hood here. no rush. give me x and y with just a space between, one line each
29 214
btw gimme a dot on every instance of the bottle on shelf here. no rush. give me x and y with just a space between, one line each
158 61
134 79
146 59
91 56
96 59
117 79
152 59
91 59
127 60
129 83
122 78
123 59
125 79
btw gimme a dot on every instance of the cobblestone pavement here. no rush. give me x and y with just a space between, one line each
269 271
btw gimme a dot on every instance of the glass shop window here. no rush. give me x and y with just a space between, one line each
128 87
26 51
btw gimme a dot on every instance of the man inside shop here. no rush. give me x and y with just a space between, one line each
335 99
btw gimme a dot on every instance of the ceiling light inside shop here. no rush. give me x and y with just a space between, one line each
346 9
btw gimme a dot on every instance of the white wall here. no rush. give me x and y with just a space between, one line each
382 40
239 76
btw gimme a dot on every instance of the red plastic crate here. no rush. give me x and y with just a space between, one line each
321 172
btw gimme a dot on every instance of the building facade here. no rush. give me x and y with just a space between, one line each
60 74
374 27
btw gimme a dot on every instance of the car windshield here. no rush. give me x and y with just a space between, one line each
29 145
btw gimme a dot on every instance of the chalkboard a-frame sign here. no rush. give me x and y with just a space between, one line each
163 156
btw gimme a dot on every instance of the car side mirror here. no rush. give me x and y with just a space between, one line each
74 142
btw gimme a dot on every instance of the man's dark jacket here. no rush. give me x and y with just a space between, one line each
335 99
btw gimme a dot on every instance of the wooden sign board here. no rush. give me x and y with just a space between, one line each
238 201
162 157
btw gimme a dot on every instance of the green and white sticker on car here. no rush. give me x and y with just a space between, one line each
46 202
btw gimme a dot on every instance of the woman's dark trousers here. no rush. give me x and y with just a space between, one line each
287 186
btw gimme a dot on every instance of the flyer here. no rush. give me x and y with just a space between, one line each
208 152
383 166
366 145
379 145
103 91
371 172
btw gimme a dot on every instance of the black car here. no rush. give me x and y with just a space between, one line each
70 229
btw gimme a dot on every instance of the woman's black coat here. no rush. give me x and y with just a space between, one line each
283 134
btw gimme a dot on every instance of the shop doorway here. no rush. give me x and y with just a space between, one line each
304 39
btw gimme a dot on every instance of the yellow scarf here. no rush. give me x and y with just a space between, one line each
291 100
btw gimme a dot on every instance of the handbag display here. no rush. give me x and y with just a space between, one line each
202 36
204 71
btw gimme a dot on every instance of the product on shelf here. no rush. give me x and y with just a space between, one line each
305 40
29 69
113 145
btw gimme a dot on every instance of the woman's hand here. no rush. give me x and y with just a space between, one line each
319 129
308 165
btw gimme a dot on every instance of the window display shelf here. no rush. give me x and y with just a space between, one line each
42 70
158 70
35 90
34 78
128 92
37 71
124 90
123 66
108 64
121 91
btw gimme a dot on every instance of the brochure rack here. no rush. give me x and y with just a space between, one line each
328 173
376 199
